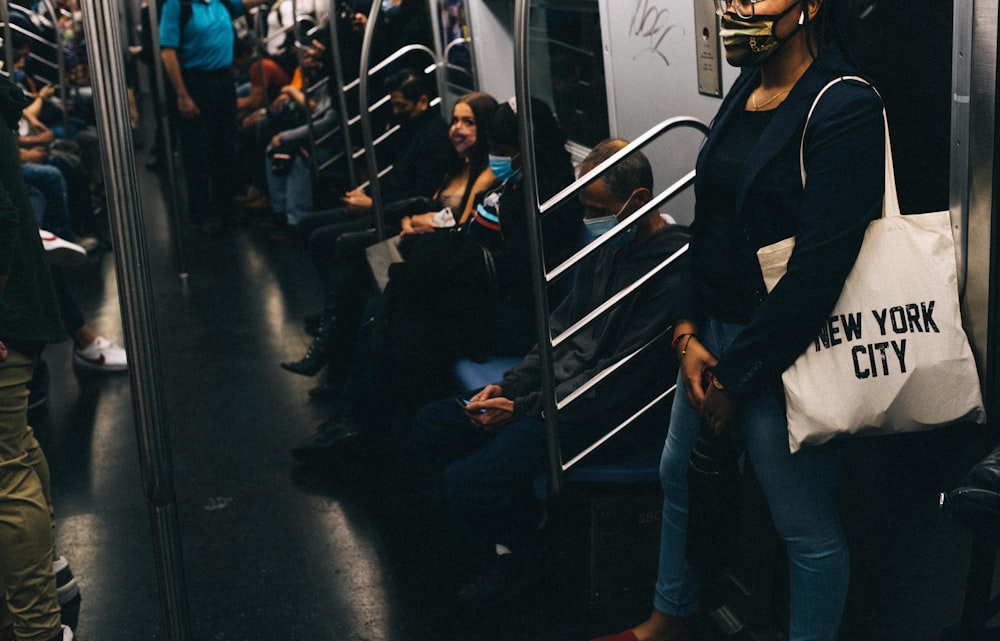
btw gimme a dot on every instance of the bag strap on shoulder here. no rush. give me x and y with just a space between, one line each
890 202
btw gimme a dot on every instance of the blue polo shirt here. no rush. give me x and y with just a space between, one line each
207 43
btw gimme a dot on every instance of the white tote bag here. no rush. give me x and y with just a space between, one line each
893 356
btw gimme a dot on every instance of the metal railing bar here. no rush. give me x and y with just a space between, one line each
366 183
651 134
593 246
604 439
614 300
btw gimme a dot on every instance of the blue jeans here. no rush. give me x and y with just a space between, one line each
48 180
292 194
485 478
801 492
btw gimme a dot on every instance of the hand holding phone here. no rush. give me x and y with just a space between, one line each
464 404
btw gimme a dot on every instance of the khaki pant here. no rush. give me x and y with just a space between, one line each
26 539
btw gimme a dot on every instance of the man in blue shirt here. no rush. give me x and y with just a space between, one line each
196 41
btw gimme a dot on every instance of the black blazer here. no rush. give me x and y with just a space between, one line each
844 155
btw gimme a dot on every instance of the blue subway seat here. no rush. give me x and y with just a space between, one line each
640 468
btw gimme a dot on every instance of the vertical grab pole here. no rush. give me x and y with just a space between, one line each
338 76
159 82
366 120
8 46
522 91
138 314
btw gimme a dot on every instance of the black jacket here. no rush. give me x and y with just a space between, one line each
638 319
843 155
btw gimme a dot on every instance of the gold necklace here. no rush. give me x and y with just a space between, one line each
757 107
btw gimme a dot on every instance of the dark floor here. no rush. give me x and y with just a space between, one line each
273 550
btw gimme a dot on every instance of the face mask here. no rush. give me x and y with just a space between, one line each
18 76
597 227
751 41
503 167
390 8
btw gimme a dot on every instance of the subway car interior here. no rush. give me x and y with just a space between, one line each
178 502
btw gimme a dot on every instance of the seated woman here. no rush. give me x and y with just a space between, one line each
457 294
344 271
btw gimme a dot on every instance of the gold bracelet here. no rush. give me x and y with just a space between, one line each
684 350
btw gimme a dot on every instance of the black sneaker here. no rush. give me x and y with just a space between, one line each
334 436
68 592
509 576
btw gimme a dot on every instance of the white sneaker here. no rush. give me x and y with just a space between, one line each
101 355
60 251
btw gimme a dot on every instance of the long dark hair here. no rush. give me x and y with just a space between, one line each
837 24
483 106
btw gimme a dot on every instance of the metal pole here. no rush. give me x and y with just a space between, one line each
138 314
159 82
522 91
345 117
366 120
8 46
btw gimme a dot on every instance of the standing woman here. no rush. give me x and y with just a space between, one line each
732 338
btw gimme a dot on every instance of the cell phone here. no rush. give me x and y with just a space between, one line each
464 403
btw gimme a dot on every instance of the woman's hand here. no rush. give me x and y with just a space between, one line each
422 223
489 410
696 364
717 409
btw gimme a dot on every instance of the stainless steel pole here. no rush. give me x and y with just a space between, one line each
163 109
136 300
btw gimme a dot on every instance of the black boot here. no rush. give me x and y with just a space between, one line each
318 354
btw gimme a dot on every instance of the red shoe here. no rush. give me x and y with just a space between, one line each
627 635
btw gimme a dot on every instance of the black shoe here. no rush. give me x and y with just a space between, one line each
334 435
507 579
322 392
313 322
318 354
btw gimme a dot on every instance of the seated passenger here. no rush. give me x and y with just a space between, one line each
460 293
287 165
344 271
485 455
417 152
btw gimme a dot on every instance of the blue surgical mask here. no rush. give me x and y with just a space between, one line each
503 167
597 227
389 8
18 75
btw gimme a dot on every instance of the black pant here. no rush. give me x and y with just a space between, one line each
208 143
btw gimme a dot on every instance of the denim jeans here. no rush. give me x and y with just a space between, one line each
48 180
292 194
485 478
801 492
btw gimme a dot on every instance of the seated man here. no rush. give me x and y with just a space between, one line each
484 456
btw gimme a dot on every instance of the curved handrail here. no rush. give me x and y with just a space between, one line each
536 210
364 75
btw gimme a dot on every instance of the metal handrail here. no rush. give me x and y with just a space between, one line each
364 74
541 277
137 310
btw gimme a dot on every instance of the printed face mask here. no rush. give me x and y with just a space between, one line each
749 42
502 167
